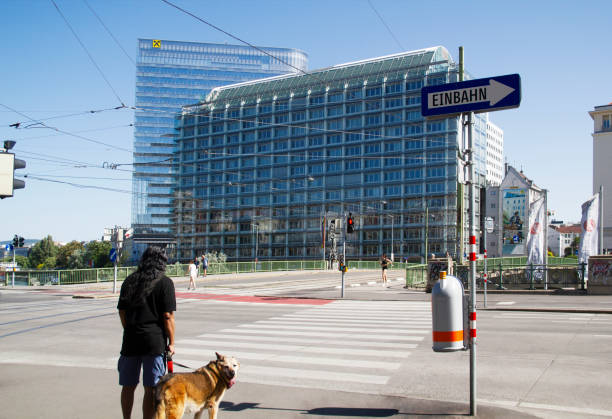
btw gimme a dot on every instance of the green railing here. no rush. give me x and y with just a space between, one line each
90 276
522 261
416 276
372 264
501 271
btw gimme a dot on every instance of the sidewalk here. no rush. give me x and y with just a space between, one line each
498 300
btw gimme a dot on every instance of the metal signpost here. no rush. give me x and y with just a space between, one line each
8 248
112 254
489 226
466 98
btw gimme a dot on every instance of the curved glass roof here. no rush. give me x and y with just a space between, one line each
406 64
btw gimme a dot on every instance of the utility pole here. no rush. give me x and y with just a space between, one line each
426 231
14 264
600 221
472 216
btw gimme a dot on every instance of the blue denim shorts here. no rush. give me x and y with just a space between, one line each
153 368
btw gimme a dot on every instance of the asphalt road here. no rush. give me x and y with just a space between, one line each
359 357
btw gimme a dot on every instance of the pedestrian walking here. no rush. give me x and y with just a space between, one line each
449 264
204 265
193 275
146 308
384 264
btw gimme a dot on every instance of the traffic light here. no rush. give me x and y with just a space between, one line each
18 241
350 224
8 165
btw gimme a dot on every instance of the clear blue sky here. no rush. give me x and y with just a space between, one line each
561 49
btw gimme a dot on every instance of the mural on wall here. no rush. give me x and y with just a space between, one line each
514 203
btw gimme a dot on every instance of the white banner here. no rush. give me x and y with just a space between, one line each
589 237
535 234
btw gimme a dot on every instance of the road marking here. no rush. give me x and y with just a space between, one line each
328 341
319 360
336 320
301 348
384 337
253 374
333 329
506 303
579 410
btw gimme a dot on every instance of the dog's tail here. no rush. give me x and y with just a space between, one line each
160 404
160 409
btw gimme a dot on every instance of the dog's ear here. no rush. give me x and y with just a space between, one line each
219 356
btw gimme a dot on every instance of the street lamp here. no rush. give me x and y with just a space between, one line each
392 230
256 230
427 232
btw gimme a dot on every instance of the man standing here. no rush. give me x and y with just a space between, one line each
204 264
146 308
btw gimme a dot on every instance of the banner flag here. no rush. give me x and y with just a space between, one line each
535 235
589 237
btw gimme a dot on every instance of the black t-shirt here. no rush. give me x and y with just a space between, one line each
144 330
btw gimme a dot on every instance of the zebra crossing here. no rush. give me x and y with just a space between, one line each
279 288
350 344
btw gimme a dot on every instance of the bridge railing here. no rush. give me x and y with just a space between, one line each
90 276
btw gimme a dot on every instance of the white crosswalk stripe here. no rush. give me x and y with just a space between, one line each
358 343
284 288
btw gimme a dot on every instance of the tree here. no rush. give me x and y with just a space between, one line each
573 248
22 261
98 253
70 256
43 253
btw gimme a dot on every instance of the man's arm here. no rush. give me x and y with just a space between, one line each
122 317
169 329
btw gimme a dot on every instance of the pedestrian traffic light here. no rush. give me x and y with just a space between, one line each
350 224
20 241
8 165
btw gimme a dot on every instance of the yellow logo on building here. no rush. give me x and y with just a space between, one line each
156 43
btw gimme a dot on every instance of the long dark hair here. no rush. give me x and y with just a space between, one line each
151 268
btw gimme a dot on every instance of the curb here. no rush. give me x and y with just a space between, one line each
94 296
550 310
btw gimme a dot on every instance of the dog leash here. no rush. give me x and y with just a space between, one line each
170 363
182 365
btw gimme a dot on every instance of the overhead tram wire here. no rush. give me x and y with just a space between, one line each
77 185
76 132
66 132
386 26
88 54
235 37
109 32
77 177
19 123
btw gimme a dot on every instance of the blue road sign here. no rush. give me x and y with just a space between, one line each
8 247
113 255
480 95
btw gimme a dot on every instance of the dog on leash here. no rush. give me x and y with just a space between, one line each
191 392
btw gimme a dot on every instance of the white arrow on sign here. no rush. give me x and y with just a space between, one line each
492 93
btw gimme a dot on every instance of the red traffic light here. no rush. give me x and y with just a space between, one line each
350 225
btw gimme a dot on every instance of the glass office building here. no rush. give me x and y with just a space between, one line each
270 168
170 74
